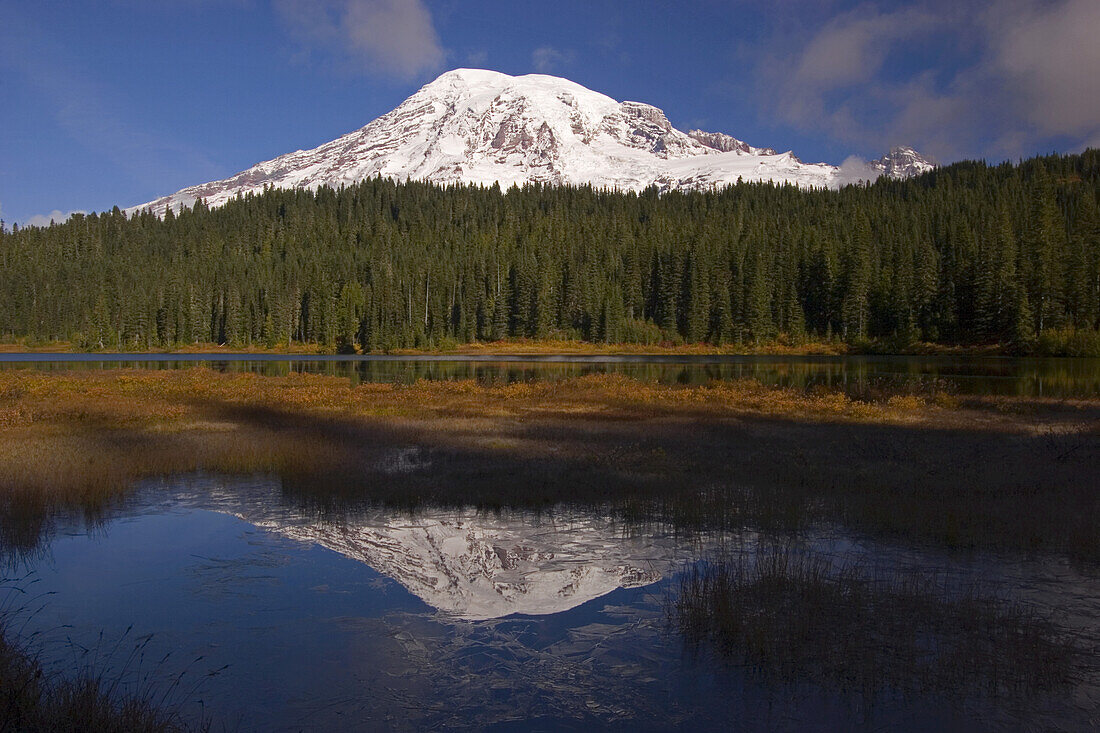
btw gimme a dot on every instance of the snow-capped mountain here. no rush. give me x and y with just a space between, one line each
484 127
902 162
727 143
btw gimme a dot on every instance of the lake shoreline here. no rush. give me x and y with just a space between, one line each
532 347
885 462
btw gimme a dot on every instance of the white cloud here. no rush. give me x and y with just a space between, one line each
389 36
54 217
852 47
855 170
547 58
837 72
1030 71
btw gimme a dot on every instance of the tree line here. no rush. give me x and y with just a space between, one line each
967 254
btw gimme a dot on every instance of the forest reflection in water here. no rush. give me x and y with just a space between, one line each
345 614
857 375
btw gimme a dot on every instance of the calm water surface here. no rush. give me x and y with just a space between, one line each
379 619
1052 377
276 617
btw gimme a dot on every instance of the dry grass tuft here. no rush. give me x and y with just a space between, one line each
33 700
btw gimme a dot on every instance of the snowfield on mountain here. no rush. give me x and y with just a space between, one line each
484 127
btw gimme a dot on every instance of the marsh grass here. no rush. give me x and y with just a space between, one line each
913 461
132 698
791 616
84 435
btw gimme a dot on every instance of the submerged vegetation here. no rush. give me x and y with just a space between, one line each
792 616
968 254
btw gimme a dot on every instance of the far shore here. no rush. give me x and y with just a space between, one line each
545 347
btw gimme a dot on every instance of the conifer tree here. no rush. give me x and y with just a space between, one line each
955 257
855 301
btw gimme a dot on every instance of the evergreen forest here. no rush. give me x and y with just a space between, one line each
967 254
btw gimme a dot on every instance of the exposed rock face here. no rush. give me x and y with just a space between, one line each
902 162
484 127
726 143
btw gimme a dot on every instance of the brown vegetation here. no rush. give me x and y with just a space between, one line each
981 471
35 701
927 466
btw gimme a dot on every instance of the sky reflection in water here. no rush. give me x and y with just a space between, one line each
379 619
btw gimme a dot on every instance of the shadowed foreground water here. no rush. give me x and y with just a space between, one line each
376 618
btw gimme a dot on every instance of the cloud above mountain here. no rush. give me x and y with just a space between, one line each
394 37
877 74
1050 54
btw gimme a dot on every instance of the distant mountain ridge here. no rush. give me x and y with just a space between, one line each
902 162
485 127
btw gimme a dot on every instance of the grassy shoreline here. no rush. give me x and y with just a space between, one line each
1064 342
34 700
786 614
975 471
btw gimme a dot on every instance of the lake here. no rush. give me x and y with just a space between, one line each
280 618
1052 377
255 605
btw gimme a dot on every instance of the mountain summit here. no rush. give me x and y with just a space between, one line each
484 127
902 162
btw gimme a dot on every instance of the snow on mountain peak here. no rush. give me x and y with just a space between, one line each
475 567
902 162
484 127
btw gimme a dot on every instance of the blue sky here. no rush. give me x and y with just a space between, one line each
115 102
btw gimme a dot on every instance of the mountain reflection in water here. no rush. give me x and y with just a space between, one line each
471 564
366 618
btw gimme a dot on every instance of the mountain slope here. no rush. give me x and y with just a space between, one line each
484 127
902 162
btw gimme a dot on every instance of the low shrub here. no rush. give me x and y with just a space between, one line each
1068 342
